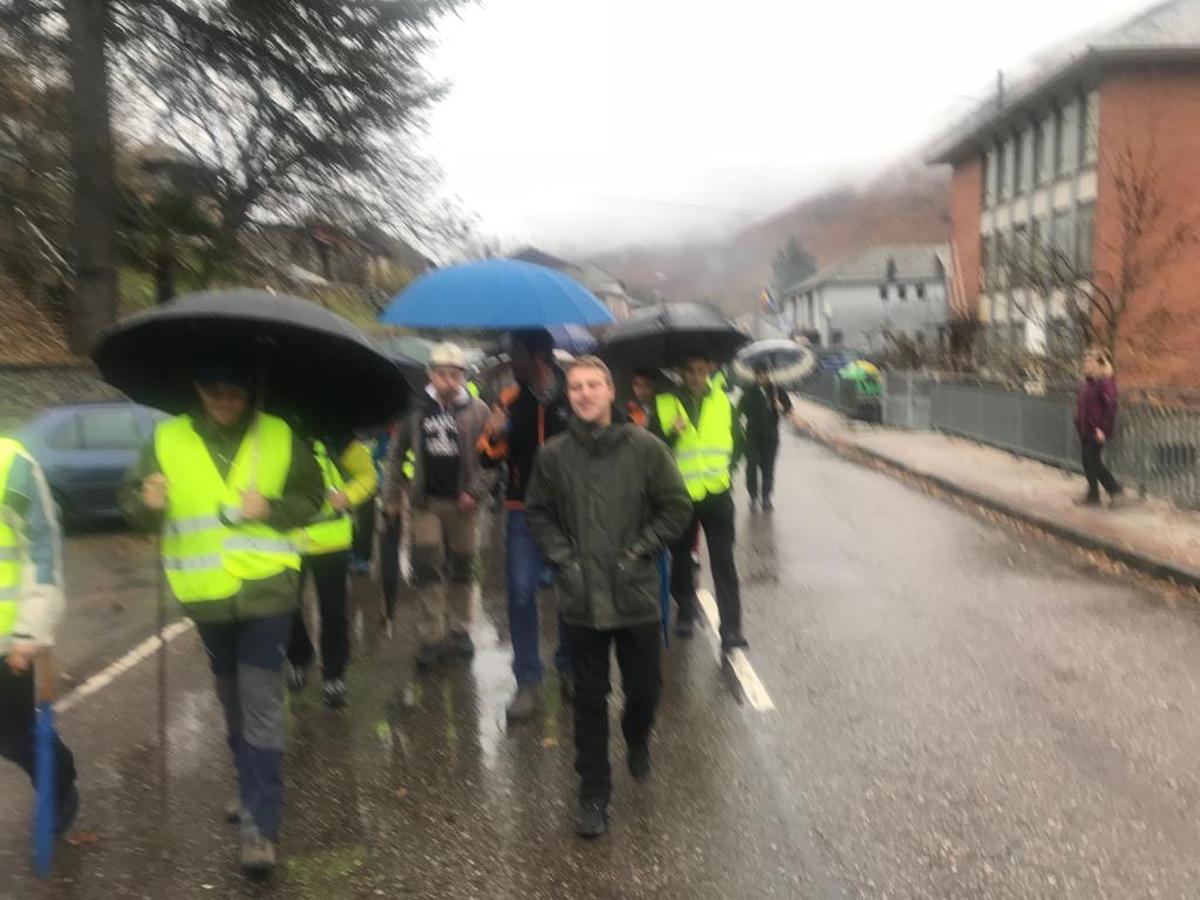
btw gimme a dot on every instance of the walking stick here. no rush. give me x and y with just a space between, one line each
45 760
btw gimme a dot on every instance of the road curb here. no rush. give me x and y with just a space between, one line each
1134 559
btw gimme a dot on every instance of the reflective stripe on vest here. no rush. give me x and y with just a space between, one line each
473 389
332 531
10 544
704 450
410 465
205 556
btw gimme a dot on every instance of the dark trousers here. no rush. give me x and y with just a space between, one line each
247 661
389 561
328 572
760 458
16 728
639 654
364 532
1096 471
715 513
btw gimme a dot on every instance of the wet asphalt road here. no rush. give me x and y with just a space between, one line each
959 713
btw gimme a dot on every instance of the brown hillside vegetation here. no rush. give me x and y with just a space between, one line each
909 204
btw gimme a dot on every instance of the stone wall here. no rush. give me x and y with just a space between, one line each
26 389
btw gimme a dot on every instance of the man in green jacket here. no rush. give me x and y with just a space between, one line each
226 485
605 499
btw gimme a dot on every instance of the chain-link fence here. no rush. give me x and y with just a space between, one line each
1156 447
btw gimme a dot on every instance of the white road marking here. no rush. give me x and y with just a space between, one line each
752 687
103 679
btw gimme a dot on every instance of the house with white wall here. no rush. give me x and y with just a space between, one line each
891 290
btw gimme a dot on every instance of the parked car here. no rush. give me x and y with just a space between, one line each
85 450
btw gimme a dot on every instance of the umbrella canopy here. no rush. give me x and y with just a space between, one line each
501 294
415 374
670 334
314 367
786 361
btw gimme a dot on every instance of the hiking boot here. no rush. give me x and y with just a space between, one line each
592 820
639 763
753 504
297 679
768 506
1117 498
460 645
335 693
523 704
732 642
685 627
231 812
257 855
68 809
428 656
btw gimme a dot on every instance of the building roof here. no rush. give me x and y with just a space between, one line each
1166 33
884 262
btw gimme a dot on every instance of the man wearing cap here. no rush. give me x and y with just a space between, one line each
446 486
226 485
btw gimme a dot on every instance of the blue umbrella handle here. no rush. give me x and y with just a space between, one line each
45 761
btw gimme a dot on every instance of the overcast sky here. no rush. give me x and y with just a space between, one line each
588 124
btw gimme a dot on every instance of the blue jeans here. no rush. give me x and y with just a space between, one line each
247 661
524 570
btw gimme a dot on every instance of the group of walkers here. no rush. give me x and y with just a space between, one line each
599 499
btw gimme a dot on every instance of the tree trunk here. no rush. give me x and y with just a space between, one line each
164 273
94 235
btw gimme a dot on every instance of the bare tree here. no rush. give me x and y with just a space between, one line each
1051 286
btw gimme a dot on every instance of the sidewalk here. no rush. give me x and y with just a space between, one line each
1146 534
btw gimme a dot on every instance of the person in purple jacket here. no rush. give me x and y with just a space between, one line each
1095 418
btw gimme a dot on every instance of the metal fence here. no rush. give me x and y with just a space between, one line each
907 401
1156 448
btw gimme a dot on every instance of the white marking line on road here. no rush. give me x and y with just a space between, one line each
752 687
103 679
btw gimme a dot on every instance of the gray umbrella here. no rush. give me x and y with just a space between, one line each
669 335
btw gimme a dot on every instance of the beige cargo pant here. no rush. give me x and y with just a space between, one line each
444 543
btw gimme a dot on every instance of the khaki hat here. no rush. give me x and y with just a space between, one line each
447 355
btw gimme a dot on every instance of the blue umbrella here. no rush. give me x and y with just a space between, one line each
499 294
575 339
45 760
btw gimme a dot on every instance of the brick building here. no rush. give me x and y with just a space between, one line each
1055 166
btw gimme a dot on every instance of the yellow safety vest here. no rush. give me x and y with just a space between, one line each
704 450
473 389
10 543
409 469
206 553
333 531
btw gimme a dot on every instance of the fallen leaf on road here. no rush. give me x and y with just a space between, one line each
401 793
79 838
549 742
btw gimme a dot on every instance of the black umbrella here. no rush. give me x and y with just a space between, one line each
669 335
314 367
786 362
415 374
